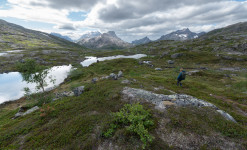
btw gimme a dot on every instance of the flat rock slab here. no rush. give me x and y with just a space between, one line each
162 101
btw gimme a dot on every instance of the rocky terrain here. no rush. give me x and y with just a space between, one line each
208 112
107 40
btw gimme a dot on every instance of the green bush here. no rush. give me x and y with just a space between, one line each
135 119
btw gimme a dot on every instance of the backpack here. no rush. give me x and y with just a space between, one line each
183 75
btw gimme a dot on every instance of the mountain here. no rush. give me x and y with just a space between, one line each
89 35
62 36
144 40
181 35
107 40
13 36
238 28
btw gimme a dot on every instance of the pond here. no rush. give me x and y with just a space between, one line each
11 84
90 60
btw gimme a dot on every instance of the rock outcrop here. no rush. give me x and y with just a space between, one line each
22 111
161 101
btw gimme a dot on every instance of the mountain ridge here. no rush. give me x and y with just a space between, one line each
181 35
107 40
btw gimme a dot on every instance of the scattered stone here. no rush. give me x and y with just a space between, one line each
193 72
231 69
79 90
64 94
94 80
29 111
120 74
22 113
147 62
113 76
126 81
106 77
170 62
176 55
158 69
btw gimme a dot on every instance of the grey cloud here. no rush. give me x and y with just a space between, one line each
130 19
66 27
69 4
138 8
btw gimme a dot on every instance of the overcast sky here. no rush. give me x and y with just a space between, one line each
129 19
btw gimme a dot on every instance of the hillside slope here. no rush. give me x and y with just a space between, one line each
13 37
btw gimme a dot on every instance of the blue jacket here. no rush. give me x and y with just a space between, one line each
180 76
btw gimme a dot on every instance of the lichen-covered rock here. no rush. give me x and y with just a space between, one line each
120 74
113 76
162 101
226 116
22 113
158 69
126 81
94 80
79 90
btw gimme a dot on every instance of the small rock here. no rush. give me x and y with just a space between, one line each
158 69
68 94
176 55
22 113
29 111
193 72
94 80
120 74
226 116
113 76
79 90
170 62
126 81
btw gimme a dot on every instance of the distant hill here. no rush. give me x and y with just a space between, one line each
13 36
181 35
107 40
144 40
62 36
238 28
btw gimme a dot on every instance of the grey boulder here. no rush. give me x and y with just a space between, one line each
79 90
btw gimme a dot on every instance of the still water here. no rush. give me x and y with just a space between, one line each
12 85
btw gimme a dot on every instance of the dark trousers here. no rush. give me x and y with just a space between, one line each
179 83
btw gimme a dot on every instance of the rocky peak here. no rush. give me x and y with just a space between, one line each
141 41
111 33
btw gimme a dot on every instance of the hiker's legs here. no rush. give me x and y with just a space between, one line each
179 83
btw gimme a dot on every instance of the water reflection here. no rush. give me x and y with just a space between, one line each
11 84
91 60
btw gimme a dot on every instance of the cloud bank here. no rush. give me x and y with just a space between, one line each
131 19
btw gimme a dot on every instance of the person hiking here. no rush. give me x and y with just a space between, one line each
181 77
